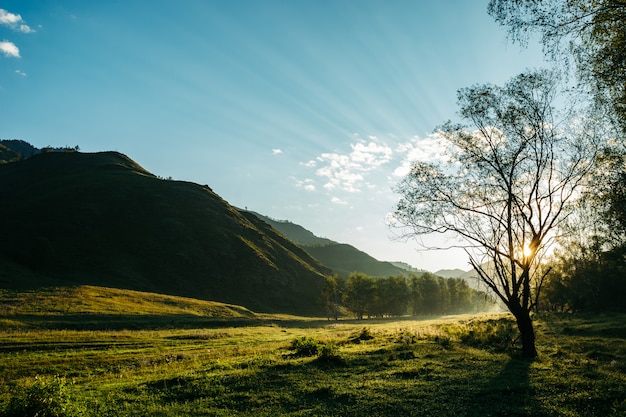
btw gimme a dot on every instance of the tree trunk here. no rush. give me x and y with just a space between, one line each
527 332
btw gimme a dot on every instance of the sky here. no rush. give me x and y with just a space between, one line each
301 110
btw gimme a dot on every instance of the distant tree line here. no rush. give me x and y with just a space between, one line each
364 296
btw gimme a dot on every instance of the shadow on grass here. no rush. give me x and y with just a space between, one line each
122 322
509 392
50 321
315 389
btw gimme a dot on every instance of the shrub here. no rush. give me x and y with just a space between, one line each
43 398
498 335
329 353
304 346
307 346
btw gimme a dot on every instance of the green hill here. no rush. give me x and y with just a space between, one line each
101 301
73 218
294 232
7 154
19 149
344 259
340 257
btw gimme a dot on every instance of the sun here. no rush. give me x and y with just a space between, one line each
527 251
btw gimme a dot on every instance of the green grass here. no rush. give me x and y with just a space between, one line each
86 299
454 366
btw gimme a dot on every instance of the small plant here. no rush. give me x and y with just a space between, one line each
365 334
43 398
329 353
444 341
304 346
407 338
307 346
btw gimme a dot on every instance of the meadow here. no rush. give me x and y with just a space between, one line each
141 361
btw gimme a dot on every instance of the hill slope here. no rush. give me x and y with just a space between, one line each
90 300
101 219
450 273
7 154
294 232
20 149
340 257
344 259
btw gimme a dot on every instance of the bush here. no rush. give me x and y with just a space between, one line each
304 346
43 398
307 346
329 353
498 335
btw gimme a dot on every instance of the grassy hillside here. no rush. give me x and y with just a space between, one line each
91 300
294 232
450 273
341 258
7 154
19 149
344 259
101 219
90 307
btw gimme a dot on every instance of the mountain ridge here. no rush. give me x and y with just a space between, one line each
342 258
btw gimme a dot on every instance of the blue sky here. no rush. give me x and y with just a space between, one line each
308 111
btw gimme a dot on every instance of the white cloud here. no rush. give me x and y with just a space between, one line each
307 184
428 149
10 19
339 201
14 21
22 73
9 49
368 171
371 155
348 172
277 151
26 29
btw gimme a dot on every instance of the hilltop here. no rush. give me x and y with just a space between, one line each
100 219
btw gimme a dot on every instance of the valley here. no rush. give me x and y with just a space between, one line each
196 307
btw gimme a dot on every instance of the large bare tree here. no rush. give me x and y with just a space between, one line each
505 182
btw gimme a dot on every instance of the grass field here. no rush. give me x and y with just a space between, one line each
150 361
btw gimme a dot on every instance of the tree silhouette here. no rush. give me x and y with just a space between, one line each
506 181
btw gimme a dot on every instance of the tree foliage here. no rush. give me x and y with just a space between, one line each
360 294
585 278
430 294
425 294
592 32
590 35
508 179
331 294
587 268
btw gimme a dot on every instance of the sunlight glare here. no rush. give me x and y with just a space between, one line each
527 251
